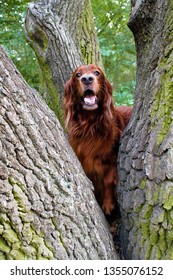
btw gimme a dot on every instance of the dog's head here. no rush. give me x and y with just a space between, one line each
88 87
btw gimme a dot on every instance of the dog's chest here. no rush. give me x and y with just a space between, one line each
94 147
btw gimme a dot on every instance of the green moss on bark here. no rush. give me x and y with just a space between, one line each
168 197
144 228
146 211
52 99
40 37
148 249
142 184
21 241
89 34
153 234
4 246
163 106
162 241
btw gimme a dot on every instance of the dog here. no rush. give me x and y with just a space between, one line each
94 127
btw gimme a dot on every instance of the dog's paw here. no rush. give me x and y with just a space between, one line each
108 206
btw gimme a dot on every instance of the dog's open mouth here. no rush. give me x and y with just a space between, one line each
90 100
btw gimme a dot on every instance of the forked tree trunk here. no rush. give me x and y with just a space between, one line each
47 207
63 36
146 154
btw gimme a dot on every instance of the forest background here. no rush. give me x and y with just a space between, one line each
115 38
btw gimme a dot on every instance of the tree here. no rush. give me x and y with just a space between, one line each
47 207
146 153
63 37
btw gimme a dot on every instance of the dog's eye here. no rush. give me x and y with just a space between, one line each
78 75
97 73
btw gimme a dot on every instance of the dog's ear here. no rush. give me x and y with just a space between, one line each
108 101
68 100
108 87
68 89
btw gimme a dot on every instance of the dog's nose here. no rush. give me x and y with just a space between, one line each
87 79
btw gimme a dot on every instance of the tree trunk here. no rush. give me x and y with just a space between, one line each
146 153
62 34
47 207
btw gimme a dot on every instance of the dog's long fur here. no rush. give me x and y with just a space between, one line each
94 129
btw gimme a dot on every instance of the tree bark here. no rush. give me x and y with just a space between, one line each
146 153
62 34
47 206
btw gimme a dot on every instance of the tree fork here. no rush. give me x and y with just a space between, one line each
63 36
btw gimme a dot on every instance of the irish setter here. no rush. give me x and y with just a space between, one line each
94 127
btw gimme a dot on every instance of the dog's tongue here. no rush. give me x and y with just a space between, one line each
90 100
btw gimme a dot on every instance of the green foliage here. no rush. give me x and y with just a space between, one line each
12 38
123 95
117 46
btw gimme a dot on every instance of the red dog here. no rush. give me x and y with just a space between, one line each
94 127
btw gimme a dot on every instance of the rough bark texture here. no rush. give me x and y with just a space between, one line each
146 154
62 34
47 207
